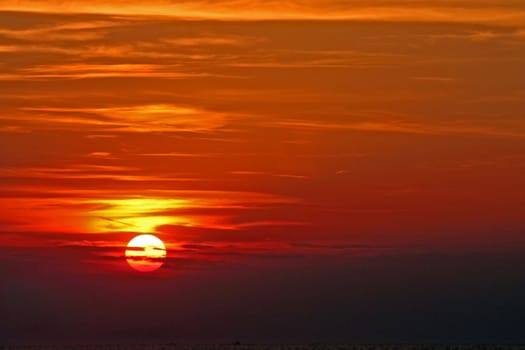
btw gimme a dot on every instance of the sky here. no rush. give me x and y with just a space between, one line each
319 170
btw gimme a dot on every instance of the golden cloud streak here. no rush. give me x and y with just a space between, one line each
144 118
93 71
430 11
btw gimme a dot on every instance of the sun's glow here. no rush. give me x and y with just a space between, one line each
135 214
145 253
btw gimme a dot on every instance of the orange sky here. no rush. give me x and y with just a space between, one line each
259 126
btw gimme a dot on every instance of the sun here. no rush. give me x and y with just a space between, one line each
145 253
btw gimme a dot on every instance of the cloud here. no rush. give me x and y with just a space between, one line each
167 50
137 119
265 223
204 41
335 246
490 11
97 71
197 246
88 172
262 173
119 209
412 127
520 33
274 58
106 155
484 35
72 31
181 155
436 79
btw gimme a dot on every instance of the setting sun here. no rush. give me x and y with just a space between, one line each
145 253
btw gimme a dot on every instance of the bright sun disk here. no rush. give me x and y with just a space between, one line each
145 253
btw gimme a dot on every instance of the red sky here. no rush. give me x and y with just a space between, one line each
243 132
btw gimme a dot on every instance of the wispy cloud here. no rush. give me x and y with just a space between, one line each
93 71
437 11
105 155
484 35
73 31
410 127
436 79
204 41
86 173
143 118
181 155
262 173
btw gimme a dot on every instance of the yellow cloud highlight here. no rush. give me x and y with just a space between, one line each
134 214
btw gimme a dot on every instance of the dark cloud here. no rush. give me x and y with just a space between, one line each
334 246
197 246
